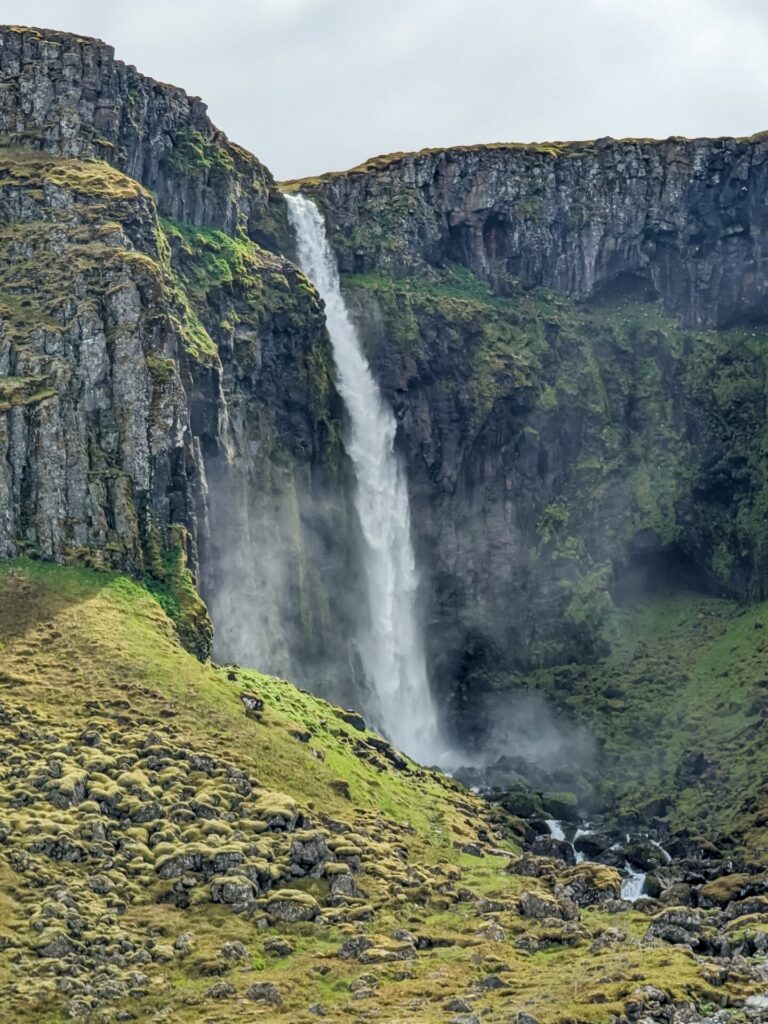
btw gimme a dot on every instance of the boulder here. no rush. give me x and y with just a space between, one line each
547 846
264 992
221 990
234 951
354 947
561 806
309 852
678 925
540 906
590 885
278 947
593 844
291 905
236 890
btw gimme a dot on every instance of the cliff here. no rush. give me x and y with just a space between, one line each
148 340
572 337
67 95
683 219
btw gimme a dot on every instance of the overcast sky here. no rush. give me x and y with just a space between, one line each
314 85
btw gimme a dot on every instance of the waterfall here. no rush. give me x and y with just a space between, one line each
555 829
390 644
633 884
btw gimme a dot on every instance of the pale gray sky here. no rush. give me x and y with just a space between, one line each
314 85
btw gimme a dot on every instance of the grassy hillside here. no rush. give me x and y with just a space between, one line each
171 851
679 709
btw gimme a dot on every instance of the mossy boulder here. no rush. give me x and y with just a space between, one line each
561 806
590 884
291 906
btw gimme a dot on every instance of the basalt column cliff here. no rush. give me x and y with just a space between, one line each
154 342
573 337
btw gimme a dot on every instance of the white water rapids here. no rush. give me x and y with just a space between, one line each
391 647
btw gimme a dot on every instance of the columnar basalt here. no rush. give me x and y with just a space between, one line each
67 95
683 218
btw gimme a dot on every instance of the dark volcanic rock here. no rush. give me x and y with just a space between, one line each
547 846
678 218
67 95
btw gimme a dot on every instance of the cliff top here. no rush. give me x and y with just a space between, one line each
554 150
54 34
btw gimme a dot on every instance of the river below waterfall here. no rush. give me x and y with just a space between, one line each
618 854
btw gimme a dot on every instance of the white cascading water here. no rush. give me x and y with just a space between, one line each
391 648
633 884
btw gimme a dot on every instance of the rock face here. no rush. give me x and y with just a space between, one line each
578 420
67 95
149 342
684 218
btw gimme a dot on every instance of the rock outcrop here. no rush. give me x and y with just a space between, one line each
683 218
149 343
67 95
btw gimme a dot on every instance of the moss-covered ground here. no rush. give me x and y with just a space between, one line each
137 783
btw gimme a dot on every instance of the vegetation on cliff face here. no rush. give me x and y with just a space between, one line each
678 710
617 428
180 837
91 315
617 459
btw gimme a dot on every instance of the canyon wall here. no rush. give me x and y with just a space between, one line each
571 336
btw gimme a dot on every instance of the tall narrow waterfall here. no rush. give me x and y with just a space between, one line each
391 646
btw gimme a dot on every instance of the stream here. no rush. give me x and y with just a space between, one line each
633 878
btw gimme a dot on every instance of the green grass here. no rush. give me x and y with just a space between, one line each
686 676
75 643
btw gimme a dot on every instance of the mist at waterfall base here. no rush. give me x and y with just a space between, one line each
522 734
266 612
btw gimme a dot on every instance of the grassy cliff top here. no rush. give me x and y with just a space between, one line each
52 33
551 150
